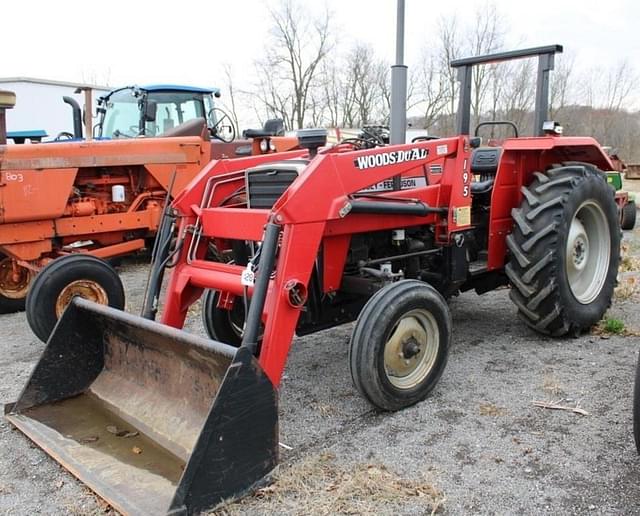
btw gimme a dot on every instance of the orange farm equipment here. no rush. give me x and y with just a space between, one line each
104 197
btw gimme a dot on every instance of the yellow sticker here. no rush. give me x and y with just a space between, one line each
462 216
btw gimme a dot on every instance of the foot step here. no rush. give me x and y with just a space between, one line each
477 267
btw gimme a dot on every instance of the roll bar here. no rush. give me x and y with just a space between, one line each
545 65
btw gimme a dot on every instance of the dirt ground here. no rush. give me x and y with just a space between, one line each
478 445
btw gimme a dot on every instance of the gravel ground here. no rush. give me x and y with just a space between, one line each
477 446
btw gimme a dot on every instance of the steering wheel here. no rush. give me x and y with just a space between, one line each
361 143
64 135
372 135
135 129
424 138
219 128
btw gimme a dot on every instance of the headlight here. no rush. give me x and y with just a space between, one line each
264 145
272 146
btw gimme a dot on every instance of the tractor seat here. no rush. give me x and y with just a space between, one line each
272 127
194 127
484 162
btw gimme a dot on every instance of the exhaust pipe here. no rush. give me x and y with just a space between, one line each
77 116
7 101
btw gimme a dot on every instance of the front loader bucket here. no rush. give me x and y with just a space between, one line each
153 419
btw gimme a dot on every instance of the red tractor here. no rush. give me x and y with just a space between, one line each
293 243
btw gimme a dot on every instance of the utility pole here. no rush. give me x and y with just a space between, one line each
399 90
399 84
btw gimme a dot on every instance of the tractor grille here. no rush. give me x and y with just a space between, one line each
267 183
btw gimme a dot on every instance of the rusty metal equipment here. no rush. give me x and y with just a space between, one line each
295 243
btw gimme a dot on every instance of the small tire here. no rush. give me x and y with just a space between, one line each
564 250
220 324
62 279
400 344
628 216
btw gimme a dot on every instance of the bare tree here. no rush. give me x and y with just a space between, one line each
620 82
366 72
299 43
518 93
299 84
485 37
232 94
272 100
384 83
608 88
333 92
431 94
560 87
449 50
347 78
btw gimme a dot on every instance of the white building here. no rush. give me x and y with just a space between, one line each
39 104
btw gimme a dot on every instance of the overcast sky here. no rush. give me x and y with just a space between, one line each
143 41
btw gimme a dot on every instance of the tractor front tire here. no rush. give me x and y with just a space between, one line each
628 218
565 250
72 275
220 324
400 344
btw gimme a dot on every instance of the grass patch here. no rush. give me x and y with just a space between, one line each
610 326
318 485
613 325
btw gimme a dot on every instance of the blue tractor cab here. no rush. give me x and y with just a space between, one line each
158 110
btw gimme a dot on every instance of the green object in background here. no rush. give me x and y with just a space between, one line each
615 180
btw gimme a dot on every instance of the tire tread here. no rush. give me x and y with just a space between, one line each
536 258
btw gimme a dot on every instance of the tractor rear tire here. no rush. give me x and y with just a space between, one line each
565 250
220 324
628 219
400 344
62 279
13 291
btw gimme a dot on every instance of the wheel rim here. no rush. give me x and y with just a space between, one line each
587 252
86 289
411 351
14 284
